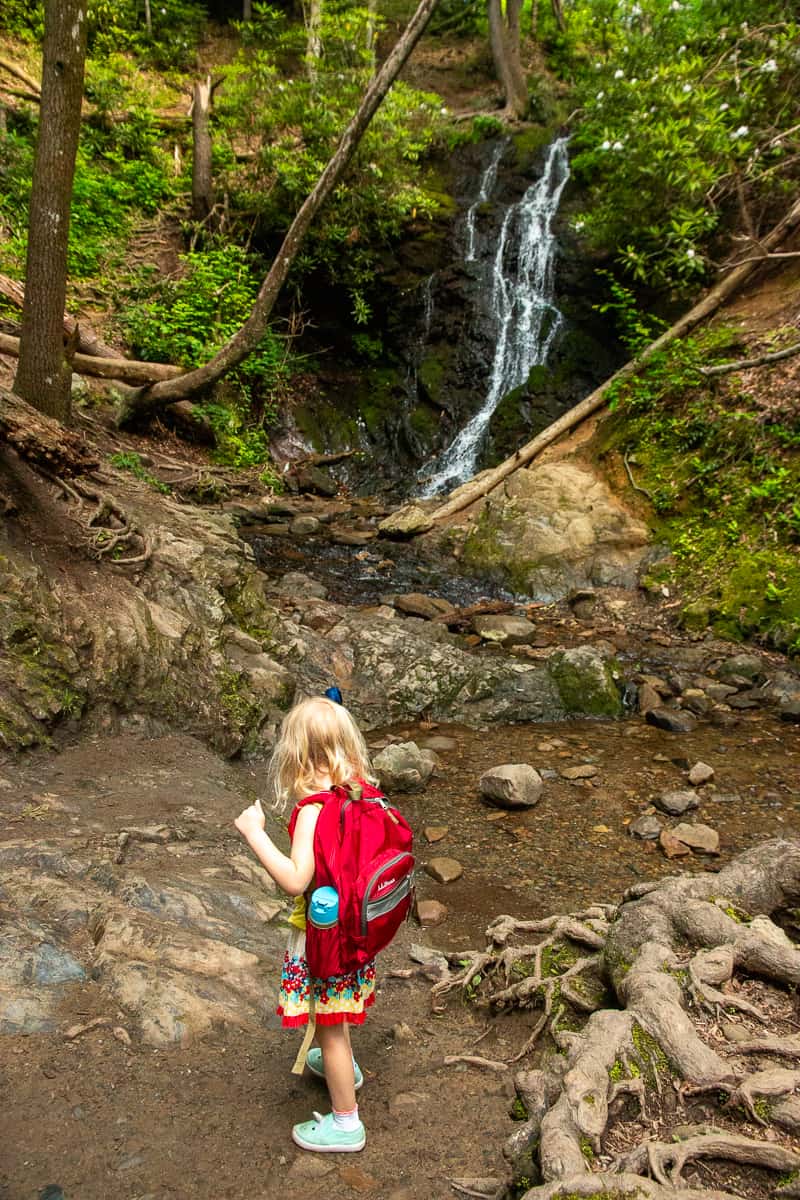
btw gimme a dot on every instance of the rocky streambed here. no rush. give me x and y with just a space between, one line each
139 944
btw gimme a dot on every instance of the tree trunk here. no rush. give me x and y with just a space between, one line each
43 376
88 342
370 32
504 42
246 339
469 492
148 18
313 40
202 183
247 10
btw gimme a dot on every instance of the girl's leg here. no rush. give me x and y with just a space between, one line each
337 1056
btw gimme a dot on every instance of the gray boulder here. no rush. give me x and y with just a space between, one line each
513 785
553 528
403 767
505 629
585 683
406 522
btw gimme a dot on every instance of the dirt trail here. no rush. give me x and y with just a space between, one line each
104 1119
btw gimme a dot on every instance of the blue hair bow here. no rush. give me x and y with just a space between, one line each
334 694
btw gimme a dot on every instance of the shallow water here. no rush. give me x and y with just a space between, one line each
363 574
557 857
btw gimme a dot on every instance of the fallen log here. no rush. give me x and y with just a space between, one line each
41 441
88 342
33 90
468 493
128 370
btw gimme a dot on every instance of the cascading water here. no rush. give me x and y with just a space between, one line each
521 287
488 180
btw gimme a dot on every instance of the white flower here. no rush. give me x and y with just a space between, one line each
690 253
681 49
652 108
742 131
634 80
443 111
724 106
617 146
687 87
676 6
163 12
769 67
598 66
606 145
578 226
636 11
600 95
619 73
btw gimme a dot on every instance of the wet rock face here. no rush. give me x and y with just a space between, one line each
433 315
556 527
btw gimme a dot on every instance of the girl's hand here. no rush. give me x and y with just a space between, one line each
251 820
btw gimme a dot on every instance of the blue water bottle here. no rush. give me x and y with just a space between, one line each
323 909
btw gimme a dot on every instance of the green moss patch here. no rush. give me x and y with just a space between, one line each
720 462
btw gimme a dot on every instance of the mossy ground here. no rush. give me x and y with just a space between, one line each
720 461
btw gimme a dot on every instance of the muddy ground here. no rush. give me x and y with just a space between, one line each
104 1119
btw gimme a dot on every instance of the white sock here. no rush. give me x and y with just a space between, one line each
347 1121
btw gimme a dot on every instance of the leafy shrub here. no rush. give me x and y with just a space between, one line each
689 113
293 123
119 25
723 481
185 320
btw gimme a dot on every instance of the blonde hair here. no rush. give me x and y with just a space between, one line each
317 738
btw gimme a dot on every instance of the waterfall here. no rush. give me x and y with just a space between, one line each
521 303
488 180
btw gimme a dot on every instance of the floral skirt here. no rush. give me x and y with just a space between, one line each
340 999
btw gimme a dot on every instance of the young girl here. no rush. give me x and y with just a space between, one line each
319 746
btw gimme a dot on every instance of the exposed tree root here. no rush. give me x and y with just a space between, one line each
111 534
671 960
666 1160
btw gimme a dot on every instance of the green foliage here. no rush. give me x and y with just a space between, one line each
121 171
293 118
185 320
129 460
723 475
23 19
689 110
636 329
119 25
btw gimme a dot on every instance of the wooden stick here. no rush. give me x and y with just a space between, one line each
746 364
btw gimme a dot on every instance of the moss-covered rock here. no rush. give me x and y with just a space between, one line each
585 683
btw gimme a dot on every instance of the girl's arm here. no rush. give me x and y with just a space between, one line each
292 873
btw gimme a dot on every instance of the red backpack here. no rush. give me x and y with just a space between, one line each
362 849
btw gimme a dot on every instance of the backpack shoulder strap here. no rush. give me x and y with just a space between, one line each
318 798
